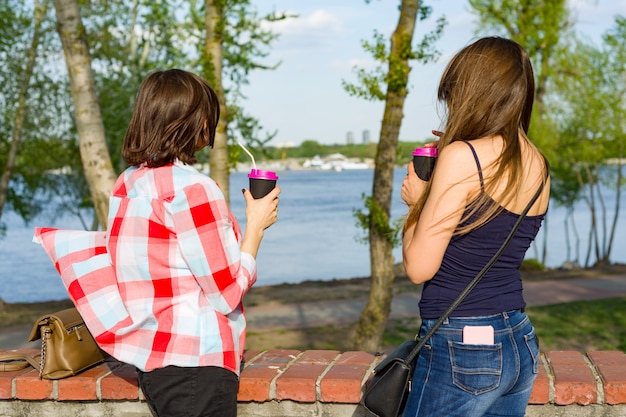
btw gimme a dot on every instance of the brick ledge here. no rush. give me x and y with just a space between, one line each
326 377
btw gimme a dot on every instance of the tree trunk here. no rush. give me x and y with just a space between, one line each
20 114
618 195
213 74
93 150
373 319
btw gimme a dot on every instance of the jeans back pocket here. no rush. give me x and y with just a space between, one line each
476 368
533 346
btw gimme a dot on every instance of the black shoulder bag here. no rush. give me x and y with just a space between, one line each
388 389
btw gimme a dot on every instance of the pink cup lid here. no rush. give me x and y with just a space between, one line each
264 175
426 152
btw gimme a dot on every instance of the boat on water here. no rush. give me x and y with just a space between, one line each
335 162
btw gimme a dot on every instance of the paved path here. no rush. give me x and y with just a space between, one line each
536 293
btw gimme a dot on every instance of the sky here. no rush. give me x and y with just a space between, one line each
303 99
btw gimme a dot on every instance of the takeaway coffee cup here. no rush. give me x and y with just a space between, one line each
261 182
424 162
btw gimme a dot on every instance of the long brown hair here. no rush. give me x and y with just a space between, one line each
176 114
488 90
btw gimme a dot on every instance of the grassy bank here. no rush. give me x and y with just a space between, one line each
582 325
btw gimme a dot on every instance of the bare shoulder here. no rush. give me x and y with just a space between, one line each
456 162
456 152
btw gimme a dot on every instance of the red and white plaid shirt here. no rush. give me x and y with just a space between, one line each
175 248
167 288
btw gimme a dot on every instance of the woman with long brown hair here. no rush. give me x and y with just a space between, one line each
483 360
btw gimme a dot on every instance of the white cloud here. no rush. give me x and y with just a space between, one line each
319 22
322 20
306 33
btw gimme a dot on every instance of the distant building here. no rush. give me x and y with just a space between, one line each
366 137
350 138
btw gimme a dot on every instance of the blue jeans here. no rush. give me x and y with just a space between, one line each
466 380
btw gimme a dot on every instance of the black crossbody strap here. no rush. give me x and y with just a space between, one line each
474 281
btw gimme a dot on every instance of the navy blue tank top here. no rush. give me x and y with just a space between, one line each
501 287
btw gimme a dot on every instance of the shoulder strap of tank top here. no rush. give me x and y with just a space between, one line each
480 170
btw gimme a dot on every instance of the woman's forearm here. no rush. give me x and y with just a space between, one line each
251 241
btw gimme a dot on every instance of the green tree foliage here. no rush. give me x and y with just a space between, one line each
578 119
538 25
45 133
390 73
589 107
311 148
127 40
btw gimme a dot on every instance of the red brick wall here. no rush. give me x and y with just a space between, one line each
325 376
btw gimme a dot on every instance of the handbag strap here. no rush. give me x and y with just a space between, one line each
16 361
474 281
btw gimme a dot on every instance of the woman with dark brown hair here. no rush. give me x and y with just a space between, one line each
181 261
483 360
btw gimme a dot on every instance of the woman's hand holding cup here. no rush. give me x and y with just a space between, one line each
412 186
261 213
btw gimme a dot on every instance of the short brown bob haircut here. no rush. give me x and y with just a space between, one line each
175 116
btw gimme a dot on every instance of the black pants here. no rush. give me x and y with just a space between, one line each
195 392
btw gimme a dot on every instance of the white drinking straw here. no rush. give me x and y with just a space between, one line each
248 152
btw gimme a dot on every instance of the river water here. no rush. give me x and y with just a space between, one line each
315 237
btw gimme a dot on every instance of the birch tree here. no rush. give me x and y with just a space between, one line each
590 104
128 40
35 127
235 43
90 128
20 114
374 315
212 70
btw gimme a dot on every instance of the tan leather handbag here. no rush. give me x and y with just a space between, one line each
67 347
